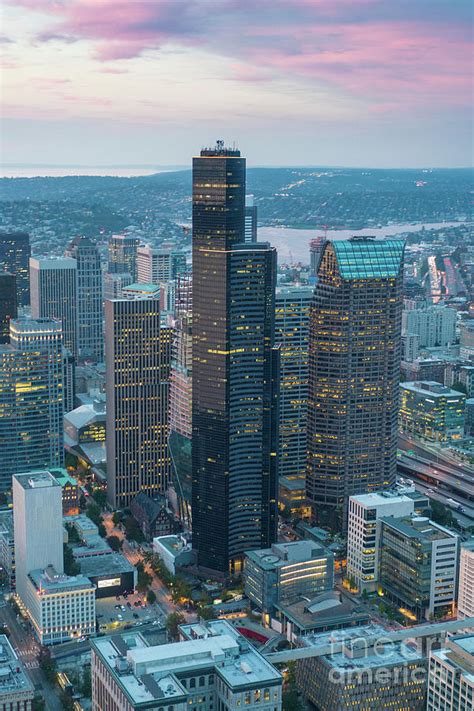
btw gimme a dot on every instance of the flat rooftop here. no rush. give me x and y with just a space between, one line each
173 544
328 609
103 565
13 678
399 653
419 527
281 554
149 673
49 582
379 499
432 389
36 480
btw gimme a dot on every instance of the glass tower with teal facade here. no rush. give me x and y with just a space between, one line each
354 372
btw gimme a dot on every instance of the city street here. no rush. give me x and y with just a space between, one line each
27 649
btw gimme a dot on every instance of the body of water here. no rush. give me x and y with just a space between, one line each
16 170
293 244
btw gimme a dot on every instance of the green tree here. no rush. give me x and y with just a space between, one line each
290 697
70 565
72 534
441 514
100 497
133 531
39 703
144 580
172 623
66 701
115 542
93 512
150 597
47 664
86 684
117 517
207 613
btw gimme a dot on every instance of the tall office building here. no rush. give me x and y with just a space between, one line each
60 607
315 251
123 255
292 306
354 372
157 266
181 411
90 331
235 371
137 387
54 294
38 525
31 398
250 220
8 304
114 283
15 254
434 325
466 580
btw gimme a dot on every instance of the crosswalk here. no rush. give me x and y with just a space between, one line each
31 665
27 652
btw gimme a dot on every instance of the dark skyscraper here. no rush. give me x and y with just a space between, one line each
15 258
8 308
90 332
235 370
354 372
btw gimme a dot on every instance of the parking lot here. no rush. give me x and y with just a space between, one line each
115 613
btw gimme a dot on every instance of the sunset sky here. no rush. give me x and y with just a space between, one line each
292 82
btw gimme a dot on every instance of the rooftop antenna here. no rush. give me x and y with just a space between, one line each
220 145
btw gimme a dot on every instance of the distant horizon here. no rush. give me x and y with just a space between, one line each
156 168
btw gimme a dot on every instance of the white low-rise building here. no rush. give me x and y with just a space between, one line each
212 668
363 535
61 607
173 551
16 689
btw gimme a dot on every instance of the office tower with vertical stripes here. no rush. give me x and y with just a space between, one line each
54 295
292 306
8 304
15 254
137 387
31 398
123 255
354 373
235 371
90 330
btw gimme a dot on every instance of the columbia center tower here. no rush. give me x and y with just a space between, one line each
235 371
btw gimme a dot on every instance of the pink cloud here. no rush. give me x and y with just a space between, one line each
387 53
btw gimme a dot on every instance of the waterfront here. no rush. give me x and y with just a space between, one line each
293 244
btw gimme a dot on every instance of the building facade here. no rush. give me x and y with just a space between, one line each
137 388
363 534
292 307
432 411
90 329
31 398
451 676
38 525
286 572
250 220
15 255
212 668
419 566
53 284
466 580
16 690
8 304
157 266
434 325
235 371
123 255
354 372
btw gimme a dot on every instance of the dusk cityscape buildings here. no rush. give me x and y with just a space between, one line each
354 373
228 452
235 370
15 255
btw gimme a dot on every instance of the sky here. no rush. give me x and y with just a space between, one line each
376 83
